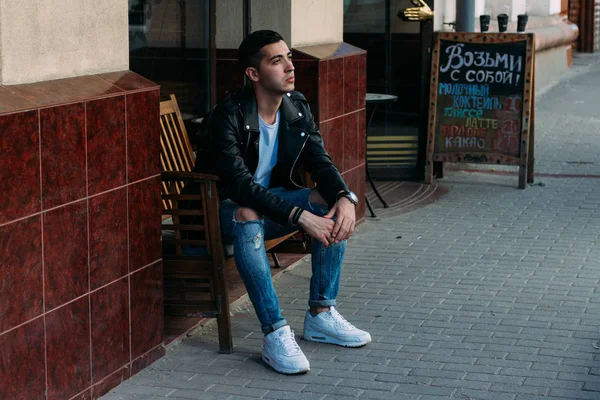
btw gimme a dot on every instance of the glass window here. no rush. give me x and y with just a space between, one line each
393 67
365 16
169 43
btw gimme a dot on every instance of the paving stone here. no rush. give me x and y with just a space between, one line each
503 363
580 363
367 384
535 390
339 373
120 396
563 384
510 380
237 390
422 389
386 368
460 383
330 389
481 395
592 386
287 395
238 397
573 394
433 373
199 394
309 379
528 373
417 380
130 388
471 368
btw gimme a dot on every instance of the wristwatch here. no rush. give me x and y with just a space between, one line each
349 195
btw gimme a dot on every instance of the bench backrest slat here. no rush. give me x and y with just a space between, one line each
177 155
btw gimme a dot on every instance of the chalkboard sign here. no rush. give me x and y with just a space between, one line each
481 101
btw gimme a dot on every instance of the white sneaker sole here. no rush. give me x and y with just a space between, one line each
314 336
282 370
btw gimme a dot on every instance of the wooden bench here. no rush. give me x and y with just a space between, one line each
195 285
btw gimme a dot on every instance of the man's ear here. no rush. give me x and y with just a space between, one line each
252 74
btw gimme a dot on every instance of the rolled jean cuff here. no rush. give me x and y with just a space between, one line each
322 303
272 328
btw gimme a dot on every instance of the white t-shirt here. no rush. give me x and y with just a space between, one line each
267 151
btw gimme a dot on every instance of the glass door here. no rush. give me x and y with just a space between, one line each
397 63
170 44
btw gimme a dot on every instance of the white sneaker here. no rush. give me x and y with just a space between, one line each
282 353
331 327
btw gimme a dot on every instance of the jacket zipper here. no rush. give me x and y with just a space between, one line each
296 160
247 145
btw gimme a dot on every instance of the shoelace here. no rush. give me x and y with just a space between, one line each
289 343
340 320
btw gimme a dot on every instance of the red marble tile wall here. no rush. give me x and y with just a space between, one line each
80 255
333 79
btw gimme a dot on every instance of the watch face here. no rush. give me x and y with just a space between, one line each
352 197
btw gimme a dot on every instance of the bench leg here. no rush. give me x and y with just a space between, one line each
224 319
225 340
275 260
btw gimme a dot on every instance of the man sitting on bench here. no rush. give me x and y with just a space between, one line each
258 138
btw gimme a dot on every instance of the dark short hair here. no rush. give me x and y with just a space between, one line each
249 52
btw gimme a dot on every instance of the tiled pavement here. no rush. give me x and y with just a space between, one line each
489 293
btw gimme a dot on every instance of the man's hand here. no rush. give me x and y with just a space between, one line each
318 228
345 213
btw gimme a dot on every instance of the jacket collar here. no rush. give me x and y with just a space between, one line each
288 111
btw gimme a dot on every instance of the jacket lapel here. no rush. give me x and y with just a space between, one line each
291 137
289 111
250 110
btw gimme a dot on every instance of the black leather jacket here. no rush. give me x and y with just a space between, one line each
230 151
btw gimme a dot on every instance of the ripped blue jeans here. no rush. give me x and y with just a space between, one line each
252 263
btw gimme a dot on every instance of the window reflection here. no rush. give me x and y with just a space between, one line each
393 67
366 16
169 43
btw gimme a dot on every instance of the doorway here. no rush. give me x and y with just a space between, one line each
398 63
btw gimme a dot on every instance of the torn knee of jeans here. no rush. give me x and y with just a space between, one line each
251 222
250 230
257 240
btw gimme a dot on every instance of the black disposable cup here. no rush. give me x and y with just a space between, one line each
502 22
522 22
484 22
